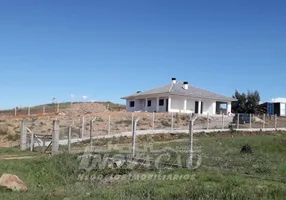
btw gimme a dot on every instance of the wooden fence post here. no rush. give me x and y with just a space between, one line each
55 138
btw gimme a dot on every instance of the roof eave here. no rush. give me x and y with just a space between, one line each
142 95
219 99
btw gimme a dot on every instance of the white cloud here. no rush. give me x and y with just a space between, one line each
84 97
279 99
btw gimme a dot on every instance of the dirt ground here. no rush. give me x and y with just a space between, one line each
120 121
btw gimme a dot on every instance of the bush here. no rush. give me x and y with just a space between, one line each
4 130
13 137
165 123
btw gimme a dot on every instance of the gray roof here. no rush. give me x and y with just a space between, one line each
177 89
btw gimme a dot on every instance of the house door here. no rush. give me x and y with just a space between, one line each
196 107
167 105
202 107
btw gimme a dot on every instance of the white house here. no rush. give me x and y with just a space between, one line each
178 97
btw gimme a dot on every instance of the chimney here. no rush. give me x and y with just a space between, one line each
174 80
186 85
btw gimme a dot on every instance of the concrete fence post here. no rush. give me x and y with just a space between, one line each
134 136
82 127
208 121
15 111
250 121
109 124
29 111
237 121
58 108
263 121
23 135
222 119
91 132
69 139
153 121
55 137
172 121
32 142
193 117
132 120
44 110
275 121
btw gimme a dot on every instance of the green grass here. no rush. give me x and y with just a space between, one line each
224 173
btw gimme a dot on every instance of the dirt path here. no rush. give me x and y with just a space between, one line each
15 157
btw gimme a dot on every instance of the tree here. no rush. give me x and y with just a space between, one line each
246 103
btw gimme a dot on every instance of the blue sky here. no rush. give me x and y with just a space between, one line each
108 49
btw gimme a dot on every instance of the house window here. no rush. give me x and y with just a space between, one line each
131 104
161 102
149 103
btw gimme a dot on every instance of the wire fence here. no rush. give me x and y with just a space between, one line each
114 123
111 125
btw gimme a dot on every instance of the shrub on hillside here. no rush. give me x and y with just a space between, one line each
4 130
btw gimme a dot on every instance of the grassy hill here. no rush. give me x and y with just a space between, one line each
224 173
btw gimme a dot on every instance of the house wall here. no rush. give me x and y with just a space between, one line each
153 107
128 108
176 105
163 108
208 107
282 109
140 105
190 106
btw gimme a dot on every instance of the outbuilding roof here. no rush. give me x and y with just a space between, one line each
178 89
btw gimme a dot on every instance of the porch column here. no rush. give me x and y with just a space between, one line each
228 107
185 105
199 107
146 104
214 108
157 104
169 104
